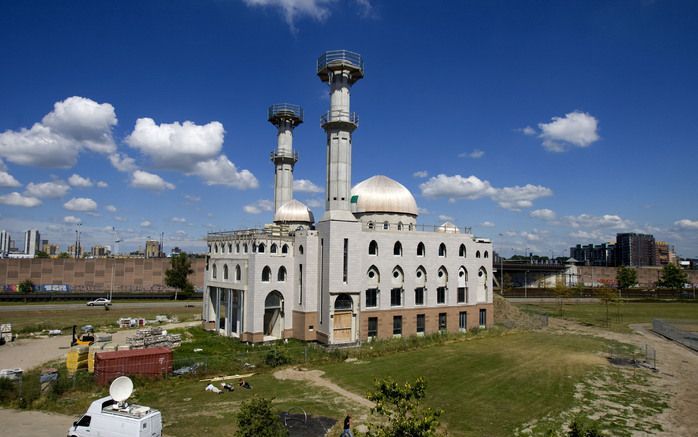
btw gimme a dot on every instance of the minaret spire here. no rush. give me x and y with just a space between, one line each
340 69
285 117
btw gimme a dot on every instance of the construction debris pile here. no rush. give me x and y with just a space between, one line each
6 333
154 337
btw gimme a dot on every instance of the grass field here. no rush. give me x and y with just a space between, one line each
619 315
36 320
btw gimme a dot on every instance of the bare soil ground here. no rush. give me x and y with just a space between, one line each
34 423
315 377
677 374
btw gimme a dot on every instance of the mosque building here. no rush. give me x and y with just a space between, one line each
366 270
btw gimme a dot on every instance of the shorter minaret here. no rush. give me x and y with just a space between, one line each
285 117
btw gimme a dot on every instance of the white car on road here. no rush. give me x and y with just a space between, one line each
102 301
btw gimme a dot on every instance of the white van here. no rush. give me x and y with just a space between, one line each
108 418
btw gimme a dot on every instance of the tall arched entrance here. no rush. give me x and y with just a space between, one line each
343 319
274 315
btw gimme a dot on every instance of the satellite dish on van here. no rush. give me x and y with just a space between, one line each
121 388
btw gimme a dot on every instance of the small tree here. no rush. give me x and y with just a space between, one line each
256 419
63 255
626 277
26 286
177 275
606 295
41 254
673 277
401 406
561 291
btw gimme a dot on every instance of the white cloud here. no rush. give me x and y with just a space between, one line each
177 145
423 211
192 199
221 171
605 221
102 184
314 203
47 189
475 154
16 199
306 186
122 162
528 130
120 219
487 224
80 204
687 224
259 206
179 219
574 129
472 187
71 219
445 217
145 224
530 236
149 181
110 208
7 180
420 174
75 124
78 181
318 10
544 214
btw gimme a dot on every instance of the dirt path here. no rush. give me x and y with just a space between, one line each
315 378
34 423
29 353
677 371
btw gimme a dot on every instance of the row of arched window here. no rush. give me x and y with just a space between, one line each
244 248
421 274
238 272
386 226
421 251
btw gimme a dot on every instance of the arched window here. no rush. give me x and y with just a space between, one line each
399 226
209 248
237 248
373 276
284 249
230 247
343 303
244 248
260 248
254 247
442 250
266 274
477 254
215 272
225 271
461 250
281 276
420 249
300 249
421 275
273 248
238 273
487 255
215 247
373 248
386 226
397 249
370 226
411 227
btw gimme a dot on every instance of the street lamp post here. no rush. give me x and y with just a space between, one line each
526 284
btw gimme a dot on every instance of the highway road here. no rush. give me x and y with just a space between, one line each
116 304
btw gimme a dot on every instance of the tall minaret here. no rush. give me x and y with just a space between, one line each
340 69
285 117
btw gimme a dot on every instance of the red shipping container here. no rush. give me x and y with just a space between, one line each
152 363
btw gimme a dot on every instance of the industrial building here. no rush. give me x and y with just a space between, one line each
365 270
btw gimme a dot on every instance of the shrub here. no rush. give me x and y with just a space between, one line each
275 358
256 419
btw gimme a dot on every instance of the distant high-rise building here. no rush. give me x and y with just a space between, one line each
50 249
635 250
4 242
98 251
665 253
75 251
32 239
153 249
595 255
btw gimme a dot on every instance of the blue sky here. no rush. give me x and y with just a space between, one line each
538 124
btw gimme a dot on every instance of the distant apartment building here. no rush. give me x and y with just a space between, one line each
595 254
50 249
4 243
32 240
98 251
665 253
153 249
75 251
635 250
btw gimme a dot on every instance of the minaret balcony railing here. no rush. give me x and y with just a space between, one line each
283 157
334 60
285 111
339 116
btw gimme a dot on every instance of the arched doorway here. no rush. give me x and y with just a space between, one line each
343 319
482 285
274 315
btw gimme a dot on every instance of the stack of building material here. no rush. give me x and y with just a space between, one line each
131 322
11 374
154 337
76 358
153 363
6 332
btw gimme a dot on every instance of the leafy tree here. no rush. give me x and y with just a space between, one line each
177 275
578 430
561 291
256 419
673 277
626 277
607 295
401 406
26 286
63 255
41 254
